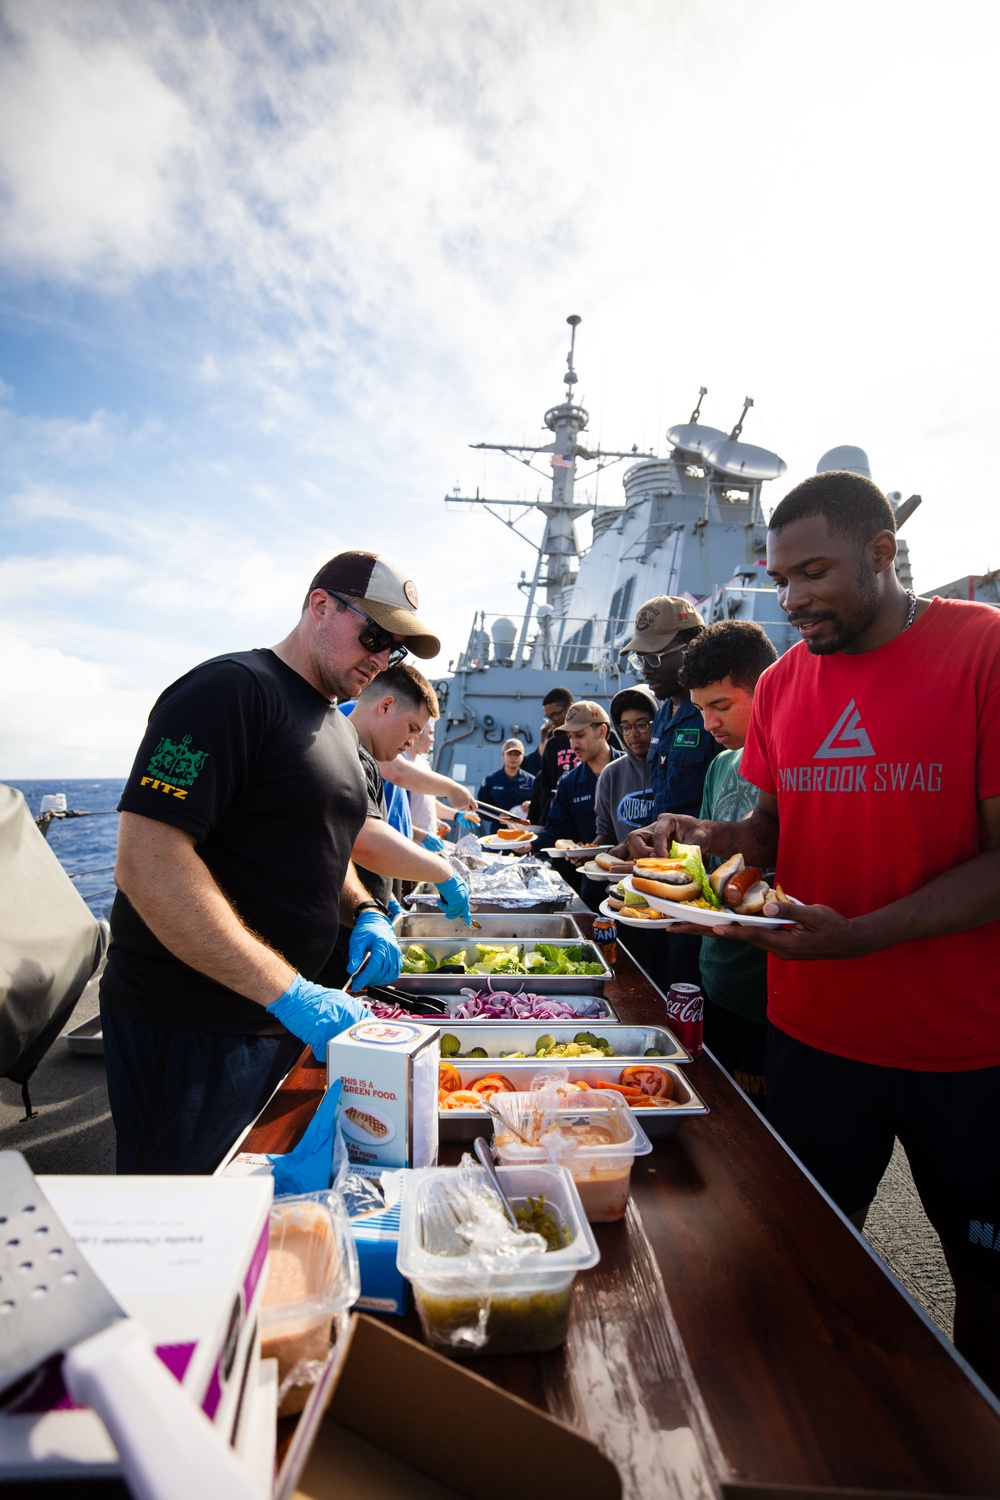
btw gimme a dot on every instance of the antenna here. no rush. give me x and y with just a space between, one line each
702 393
747 403
574 321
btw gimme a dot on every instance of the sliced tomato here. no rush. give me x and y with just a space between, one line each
490 1084
656 1082
449 1078
462 1099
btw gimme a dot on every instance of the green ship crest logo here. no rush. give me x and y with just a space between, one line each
176 762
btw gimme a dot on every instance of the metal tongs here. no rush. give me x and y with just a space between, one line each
418 1005
501 812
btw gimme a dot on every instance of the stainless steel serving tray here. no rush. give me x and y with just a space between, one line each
630 1042
511 927
466 1124
536 984
542 1028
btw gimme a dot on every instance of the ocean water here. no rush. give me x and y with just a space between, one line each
85 847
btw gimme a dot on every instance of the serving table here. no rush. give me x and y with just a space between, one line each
737 1329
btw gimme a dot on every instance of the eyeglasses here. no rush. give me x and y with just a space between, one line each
374 638
639 727
639 659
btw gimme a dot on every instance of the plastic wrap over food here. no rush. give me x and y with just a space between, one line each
496 878
561 1121
466 1245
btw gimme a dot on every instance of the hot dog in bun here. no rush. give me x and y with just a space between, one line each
740 887
612 865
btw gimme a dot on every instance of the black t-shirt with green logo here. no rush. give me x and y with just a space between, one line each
264 772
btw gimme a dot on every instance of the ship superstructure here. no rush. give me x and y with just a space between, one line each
690 523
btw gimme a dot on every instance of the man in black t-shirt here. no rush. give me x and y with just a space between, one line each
234 869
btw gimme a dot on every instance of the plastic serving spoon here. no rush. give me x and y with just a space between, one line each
486 1157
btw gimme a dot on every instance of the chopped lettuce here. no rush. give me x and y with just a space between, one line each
417 960
694 865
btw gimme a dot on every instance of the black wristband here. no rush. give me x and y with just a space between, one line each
364 906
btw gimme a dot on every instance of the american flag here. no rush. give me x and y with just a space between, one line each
561 461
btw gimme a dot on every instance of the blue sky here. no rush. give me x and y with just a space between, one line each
266 270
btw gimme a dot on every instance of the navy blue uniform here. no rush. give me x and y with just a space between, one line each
504 791
574 816
680 753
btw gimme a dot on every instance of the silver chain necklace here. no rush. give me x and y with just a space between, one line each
912 609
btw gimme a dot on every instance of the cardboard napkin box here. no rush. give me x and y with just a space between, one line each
391 1419
184 1256
389 1106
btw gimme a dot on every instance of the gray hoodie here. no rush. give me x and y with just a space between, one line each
623 800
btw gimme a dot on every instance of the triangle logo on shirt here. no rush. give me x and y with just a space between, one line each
846 738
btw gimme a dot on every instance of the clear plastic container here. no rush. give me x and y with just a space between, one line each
312 1275
595 1136
476 1300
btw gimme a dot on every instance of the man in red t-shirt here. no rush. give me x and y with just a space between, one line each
875 747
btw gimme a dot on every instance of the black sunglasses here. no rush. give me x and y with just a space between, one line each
374 638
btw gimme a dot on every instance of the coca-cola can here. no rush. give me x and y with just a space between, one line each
686 1015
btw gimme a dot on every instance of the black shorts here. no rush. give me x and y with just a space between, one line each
740 1046
841 1118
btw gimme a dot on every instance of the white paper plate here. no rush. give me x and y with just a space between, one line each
649 923
594 872
579 850
683 911
497 845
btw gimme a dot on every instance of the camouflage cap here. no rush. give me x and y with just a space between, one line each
659 620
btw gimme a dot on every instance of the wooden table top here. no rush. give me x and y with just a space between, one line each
736 1326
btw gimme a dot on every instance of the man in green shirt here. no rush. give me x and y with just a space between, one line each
720 669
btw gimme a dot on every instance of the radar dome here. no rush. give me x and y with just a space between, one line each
846 458
503 631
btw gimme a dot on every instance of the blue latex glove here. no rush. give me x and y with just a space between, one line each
308 1167
373 935
433 843
314 1013
454 900
464 826
395 910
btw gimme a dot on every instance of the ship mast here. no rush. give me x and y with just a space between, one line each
559 548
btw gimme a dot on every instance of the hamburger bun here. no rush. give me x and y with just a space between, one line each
685 890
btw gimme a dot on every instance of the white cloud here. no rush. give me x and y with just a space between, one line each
345 240
61 712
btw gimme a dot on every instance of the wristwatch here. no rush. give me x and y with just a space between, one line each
364 906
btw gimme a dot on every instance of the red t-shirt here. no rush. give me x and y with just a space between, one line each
878 761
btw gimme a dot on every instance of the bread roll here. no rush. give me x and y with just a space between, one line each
303 1262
